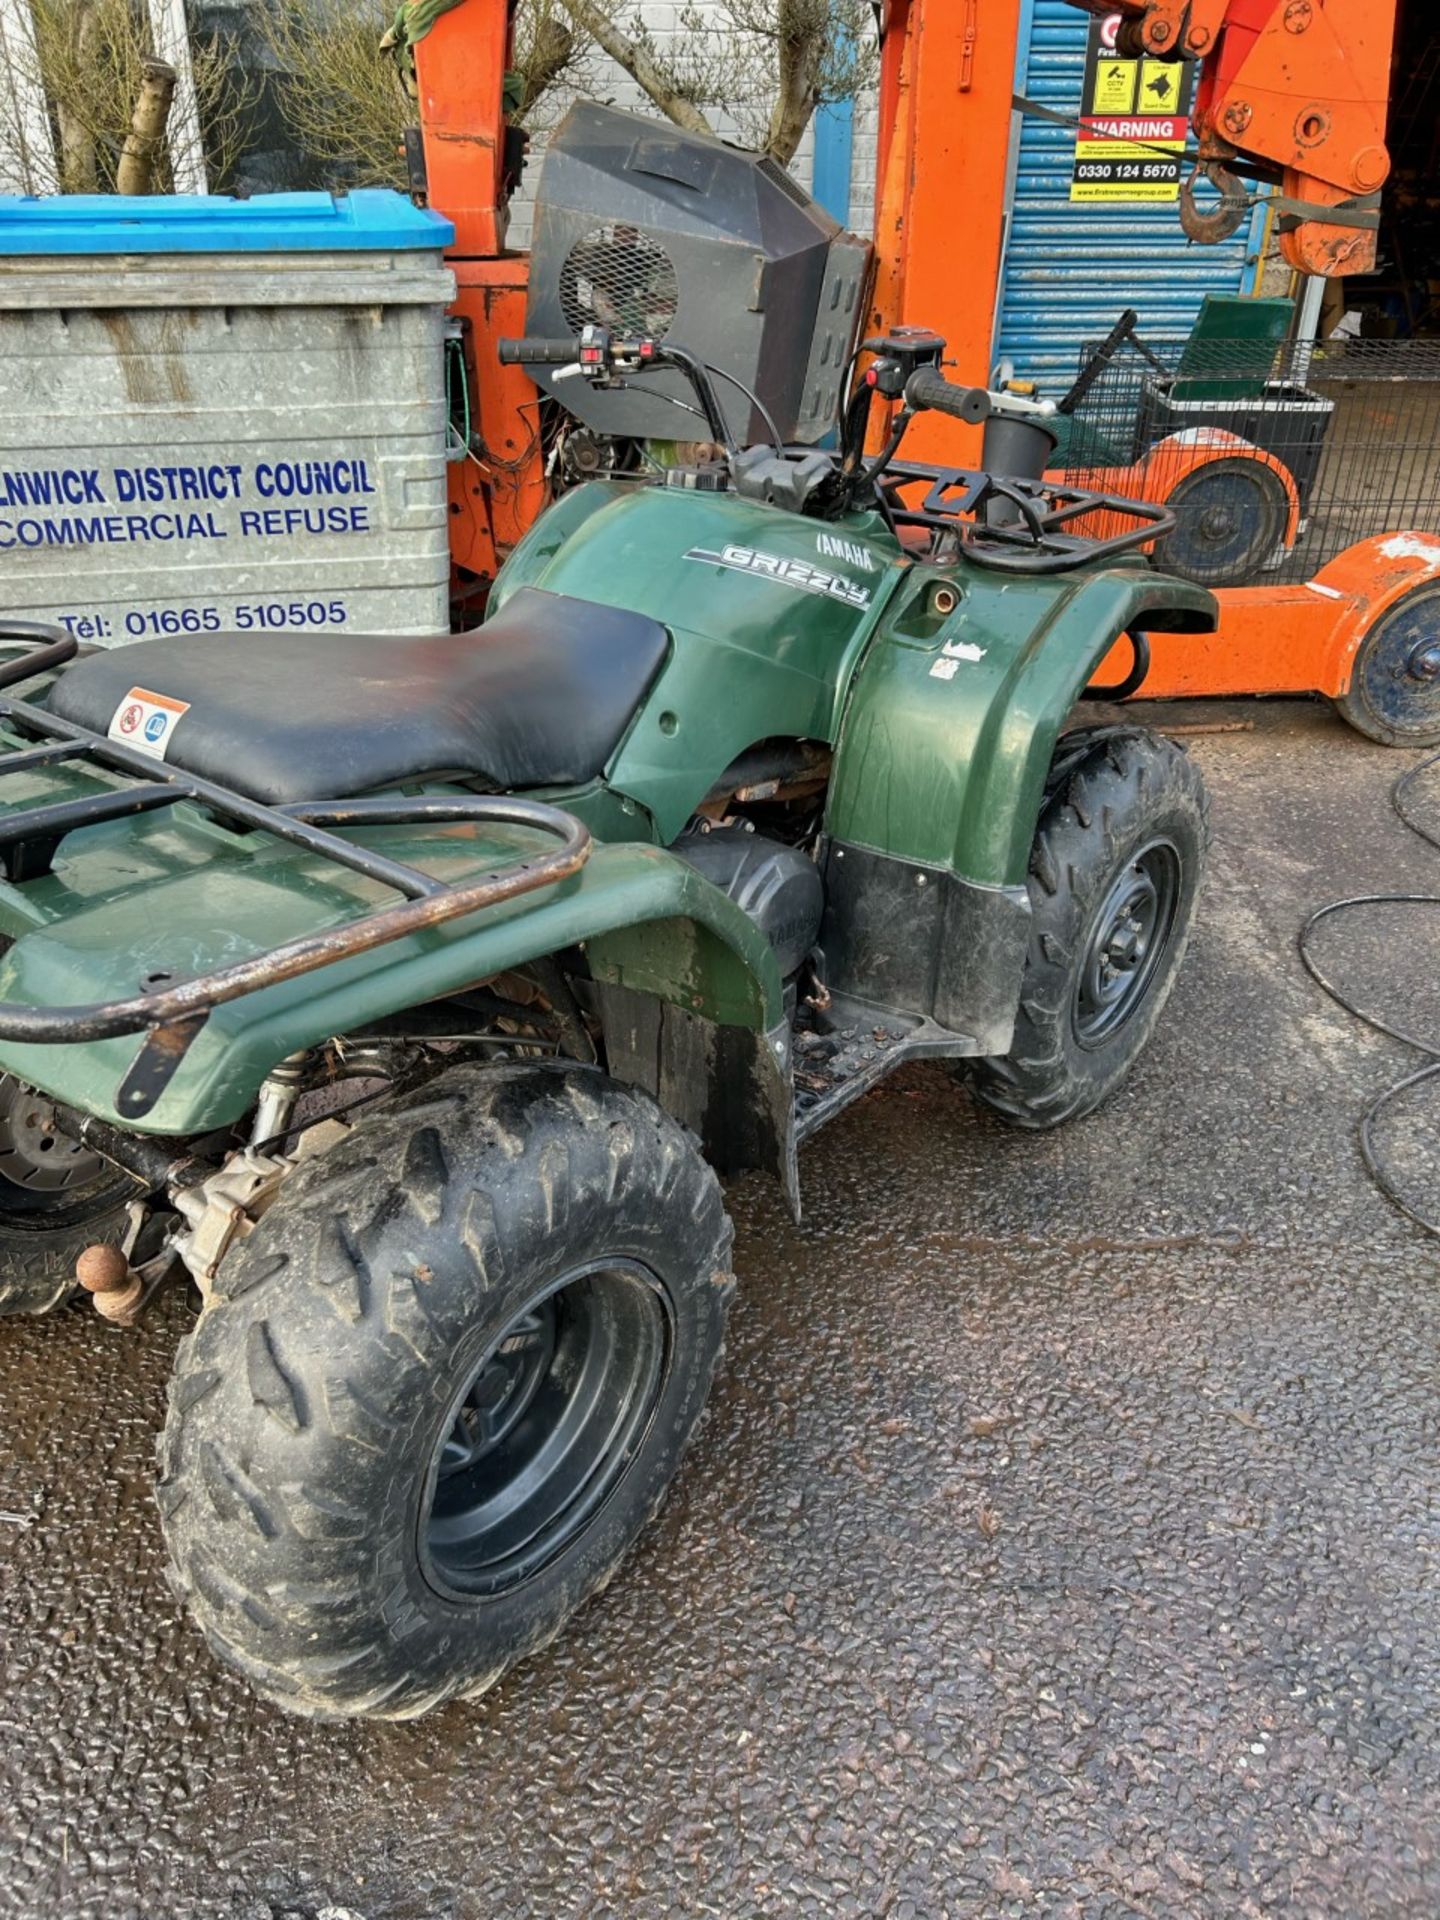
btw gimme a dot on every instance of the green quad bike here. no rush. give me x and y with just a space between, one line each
410 994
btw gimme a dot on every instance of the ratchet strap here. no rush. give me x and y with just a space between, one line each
1359 212
1035 110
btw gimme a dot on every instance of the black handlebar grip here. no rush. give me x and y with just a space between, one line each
927 390
538 353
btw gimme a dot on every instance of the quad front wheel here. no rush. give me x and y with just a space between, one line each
442 1387
1114 876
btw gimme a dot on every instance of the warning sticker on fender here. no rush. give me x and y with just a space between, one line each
145 721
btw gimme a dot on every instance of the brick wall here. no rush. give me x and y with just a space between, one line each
862 181
608 82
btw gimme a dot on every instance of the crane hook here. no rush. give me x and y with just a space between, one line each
1209 229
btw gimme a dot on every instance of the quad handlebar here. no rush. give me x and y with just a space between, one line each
603 357
1009 513
539 353
928 391
610 360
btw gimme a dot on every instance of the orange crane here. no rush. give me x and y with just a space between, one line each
470 163
1291 93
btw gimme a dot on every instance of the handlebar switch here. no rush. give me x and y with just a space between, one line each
899 354
603 359
634 356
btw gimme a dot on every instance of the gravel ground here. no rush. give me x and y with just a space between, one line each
1064 1539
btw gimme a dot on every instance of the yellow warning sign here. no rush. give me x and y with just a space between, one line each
1161 82
1115 82
1115 139
1118 169
1134 122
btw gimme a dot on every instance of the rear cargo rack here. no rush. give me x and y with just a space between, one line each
172 1015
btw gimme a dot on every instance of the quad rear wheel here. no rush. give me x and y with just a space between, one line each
1114 877
56 1199
442 1387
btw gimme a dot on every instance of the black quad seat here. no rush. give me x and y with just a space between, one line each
540 696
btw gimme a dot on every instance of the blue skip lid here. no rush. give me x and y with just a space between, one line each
371 220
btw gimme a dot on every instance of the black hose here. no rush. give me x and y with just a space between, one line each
1370 1153
1134 679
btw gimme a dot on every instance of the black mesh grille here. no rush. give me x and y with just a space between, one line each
617 277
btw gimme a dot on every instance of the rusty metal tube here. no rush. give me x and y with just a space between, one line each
173 1008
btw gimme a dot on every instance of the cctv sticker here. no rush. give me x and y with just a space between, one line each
145 721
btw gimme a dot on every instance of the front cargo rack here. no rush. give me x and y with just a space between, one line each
172 1015
1025 526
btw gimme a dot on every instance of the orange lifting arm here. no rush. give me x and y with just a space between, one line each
1295 91
460 69
945 105
498 488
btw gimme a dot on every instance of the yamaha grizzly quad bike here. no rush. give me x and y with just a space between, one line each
410 994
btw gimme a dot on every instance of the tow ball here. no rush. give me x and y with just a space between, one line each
116 1290
119 1292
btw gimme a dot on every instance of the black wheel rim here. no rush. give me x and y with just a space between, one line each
1127 942
1398 672
40 1167
545 1428
1231 519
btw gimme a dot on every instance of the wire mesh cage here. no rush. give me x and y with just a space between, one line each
1275 456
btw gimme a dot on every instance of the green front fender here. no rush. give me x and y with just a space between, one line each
647 921
952 724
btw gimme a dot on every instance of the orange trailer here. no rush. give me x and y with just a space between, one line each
1365 632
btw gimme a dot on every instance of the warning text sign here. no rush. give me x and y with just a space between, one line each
1134 120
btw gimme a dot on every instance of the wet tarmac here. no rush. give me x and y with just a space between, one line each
1064 1538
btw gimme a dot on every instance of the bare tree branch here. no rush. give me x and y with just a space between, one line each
638 60
551 56
146 138
88 60
800 51
78 165
762 66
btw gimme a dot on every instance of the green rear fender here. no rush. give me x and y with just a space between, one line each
652 930
952 720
